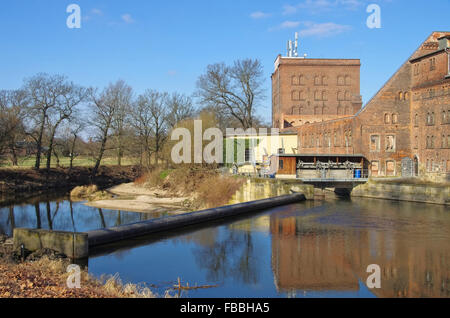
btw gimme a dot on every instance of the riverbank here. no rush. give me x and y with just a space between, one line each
25 182
411 189
137 198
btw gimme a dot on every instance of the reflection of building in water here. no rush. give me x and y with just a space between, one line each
319 257
309 260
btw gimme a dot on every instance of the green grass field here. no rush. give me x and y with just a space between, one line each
65 162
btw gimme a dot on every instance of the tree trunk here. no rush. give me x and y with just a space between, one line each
37 164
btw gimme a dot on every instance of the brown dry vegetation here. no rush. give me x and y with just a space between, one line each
47 278
206 186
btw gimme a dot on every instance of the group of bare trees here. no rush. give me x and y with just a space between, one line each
61 119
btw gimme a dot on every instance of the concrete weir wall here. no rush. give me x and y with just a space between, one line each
114 234
424 193
74 245
263 188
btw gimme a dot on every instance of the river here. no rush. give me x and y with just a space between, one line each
309 249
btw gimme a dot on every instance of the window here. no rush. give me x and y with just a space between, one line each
387 118
247 155
295 80
394 118
348 96
374 143
416 120
347 80
374 168
390 143
324 80
432 64
444 117
317 80
430 119
324 95
280 151
295 95
341 80
416 142
280 164
302 80
317 95
390 168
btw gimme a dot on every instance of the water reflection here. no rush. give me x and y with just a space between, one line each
332 248
309 249
59 213
319 249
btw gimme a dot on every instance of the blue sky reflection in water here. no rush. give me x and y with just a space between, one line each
303 250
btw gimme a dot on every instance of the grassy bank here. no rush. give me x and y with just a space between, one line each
64 162
207 187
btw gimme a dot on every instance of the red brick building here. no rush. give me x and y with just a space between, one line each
314 90
404 129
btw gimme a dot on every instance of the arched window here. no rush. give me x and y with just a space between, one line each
406 96
347 80
400 95
295 95
416 120
302 80
387 118
348 96
339 95
302 95
317 95
394 118
324 80
341 80
324 95
295 80
444 117
316 80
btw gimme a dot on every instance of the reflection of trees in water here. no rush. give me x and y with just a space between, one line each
230 256
62 214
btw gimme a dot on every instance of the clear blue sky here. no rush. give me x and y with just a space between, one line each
166 45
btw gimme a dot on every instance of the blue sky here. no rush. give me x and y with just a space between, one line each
167 45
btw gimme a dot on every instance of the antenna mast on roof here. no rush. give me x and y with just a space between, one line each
292 48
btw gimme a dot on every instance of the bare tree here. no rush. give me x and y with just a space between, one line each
48 95
124 98
179 108
104 107
71 96
13 106
153 105
236 90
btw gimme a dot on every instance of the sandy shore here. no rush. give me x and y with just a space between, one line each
134 198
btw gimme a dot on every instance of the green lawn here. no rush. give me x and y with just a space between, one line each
65 162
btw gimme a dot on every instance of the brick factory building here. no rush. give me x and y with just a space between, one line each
403 130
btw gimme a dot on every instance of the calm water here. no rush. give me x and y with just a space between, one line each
311 249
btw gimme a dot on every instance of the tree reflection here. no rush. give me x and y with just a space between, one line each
230 256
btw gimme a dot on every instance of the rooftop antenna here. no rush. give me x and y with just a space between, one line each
296 45
292 47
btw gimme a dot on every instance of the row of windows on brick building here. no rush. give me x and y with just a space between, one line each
324 140
320 110
320 95
437 165
389 143
431 118
341 80
431 142
431 66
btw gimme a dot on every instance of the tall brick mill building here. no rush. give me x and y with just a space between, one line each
403 130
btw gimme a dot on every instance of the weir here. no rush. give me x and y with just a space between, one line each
77 245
